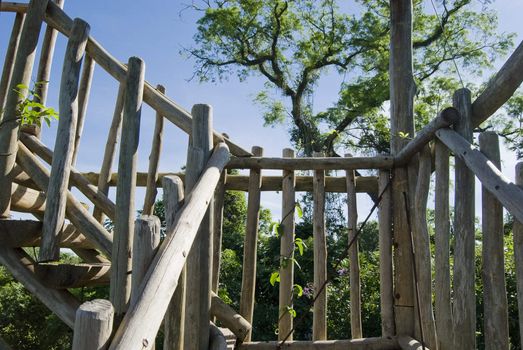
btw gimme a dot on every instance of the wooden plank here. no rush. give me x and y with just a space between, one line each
146 241
443 305
75 211
65 276
199 268
27 233
21 266
385 248
444 119
124 224
364 184
354 263
421 248
9 6
93 325
495 307
54 215
500 88
464 306
352 344
10 54
250 245
27 200
518 252
110 150
154 160
22 70
158 101
285 320
173 199
229 318
402 90
319 320
377 162
162 277
83 101
76 178
219 198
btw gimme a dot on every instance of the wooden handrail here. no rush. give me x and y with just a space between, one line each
309 163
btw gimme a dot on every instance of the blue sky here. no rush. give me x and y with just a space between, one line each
155 31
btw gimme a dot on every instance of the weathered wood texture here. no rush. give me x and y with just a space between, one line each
10 54
83 101
27 233
57 18
408 343
219 198
120 291
199 269
10 6
385 248
162 277
54 215
444 119
443 306
250 246
354 260
75 211
377 162
518 252
93 325
146 241
500 88
510 195
110 150
64 276
22 69
421 247
154 161
464 305
364 184
353 344
76 178
27 200
21 266
229 318
319 316
217 340
495 317
173 199
286 251
402 90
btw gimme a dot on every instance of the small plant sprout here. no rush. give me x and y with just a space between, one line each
31 112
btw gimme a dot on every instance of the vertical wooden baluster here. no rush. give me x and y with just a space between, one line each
219 198
518 254
12 48
93 325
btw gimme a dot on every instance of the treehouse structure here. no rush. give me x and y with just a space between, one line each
174 284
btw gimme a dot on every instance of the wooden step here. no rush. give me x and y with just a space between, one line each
64 276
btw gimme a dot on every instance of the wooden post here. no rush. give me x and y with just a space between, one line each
173 198
60 170
354 263
494 288
219 198
12 48
217 340
229 318
464 311
154 159
319 321
145 244
22 70
518 253
163 274
402 90
251 244
93 325
385 247
45 62
110 150
124 224
421 247
199 267
286 250
83 101
443 305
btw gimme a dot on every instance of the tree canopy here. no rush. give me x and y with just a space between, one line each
291 44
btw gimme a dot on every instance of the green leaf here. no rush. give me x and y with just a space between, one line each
275 277
300 245
291 311
299 211
298 289
279 230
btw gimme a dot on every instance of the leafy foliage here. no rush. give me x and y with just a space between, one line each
29 110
